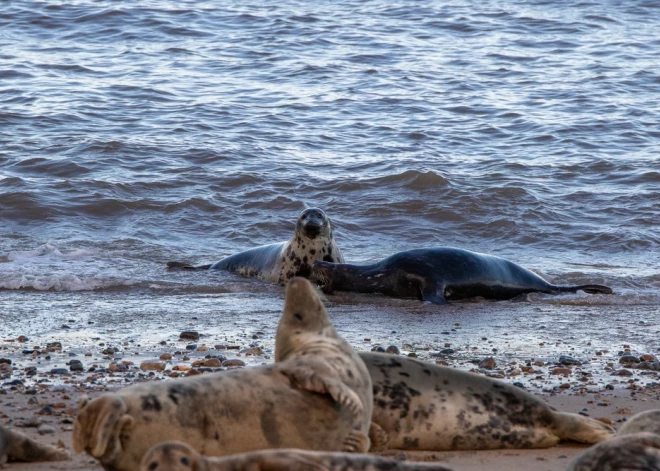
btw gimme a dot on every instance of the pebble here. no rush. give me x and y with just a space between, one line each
152 365
623 372
117 367
566 360
234 362
562 371
45 429
5 360
393 349
166 356
378 348
189 335
628 359
254 351
76 365
648 357
487 363
191 346
59 371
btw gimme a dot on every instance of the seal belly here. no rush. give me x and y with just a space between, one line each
259 262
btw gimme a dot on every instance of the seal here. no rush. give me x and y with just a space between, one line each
637 451
14 446
646 421
317 396
439 275
424 407
312 240
178 456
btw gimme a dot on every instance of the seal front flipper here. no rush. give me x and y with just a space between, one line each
186 266
432 292
379 438
356 442
308 380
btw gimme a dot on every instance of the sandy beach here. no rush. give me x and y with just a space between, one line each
49 374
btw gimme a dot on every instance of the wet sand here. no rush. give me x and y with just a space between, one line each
567 349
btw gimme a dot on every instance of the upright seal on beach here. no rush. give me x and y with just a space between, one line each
313 240
634 452
317 396
424 407
178 456
14 446
439 275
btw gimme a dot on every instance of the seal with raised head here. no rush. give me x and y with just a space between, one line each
312 240
424 407
634 452
646 421
178 456
317 396
439 275
14 446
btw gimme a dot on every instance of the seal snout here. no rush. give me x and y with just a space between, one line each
313 222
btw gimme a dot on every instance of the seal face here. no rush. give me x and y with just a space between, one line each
437 275
316 396
425 407
178 456
312 240
637 451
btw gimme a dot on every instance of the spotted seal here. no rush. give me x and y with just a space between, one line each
426 407
14 446
438 275
646 421
317 396
634 452
178 456
312 240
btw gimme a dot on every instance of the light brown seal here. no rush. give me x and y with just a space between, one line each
317 397
634 452
312 240
178 456
14 446
425 407
647 421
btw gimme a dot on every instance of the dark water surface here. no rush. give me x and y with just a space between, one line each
132 133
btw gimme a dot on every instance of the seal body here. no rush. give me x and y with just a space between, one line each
313 240
438 275
178 456
426 407
646 421
634 452
317 396
14 446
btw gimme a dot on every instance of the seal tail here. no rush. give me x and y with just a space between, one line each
581 429
187 266
591 289
99 424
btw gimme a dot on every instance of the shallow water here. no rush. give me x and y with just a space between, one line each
133 135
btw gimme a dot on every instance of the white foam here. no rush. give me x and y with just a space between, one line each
49 268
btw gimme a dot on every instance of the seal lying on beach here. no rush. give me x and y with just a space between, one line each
178 456
425 407
438 275
317 396
14 446
634 452
647 421
313 240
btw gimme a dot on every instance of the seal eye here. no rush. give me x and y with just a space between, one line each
185 461
153 465
298 316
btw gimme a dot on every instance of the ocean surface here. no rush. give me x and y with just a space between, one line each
133 133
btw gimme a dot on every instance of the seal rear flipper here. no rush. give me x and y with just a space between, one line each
356 442
187 266
590 289
307 379
98 427
379 438
581 429
20 447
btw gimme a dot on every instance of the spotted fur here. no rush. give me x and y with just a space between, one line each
178 456
634 452
428 407
15 446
